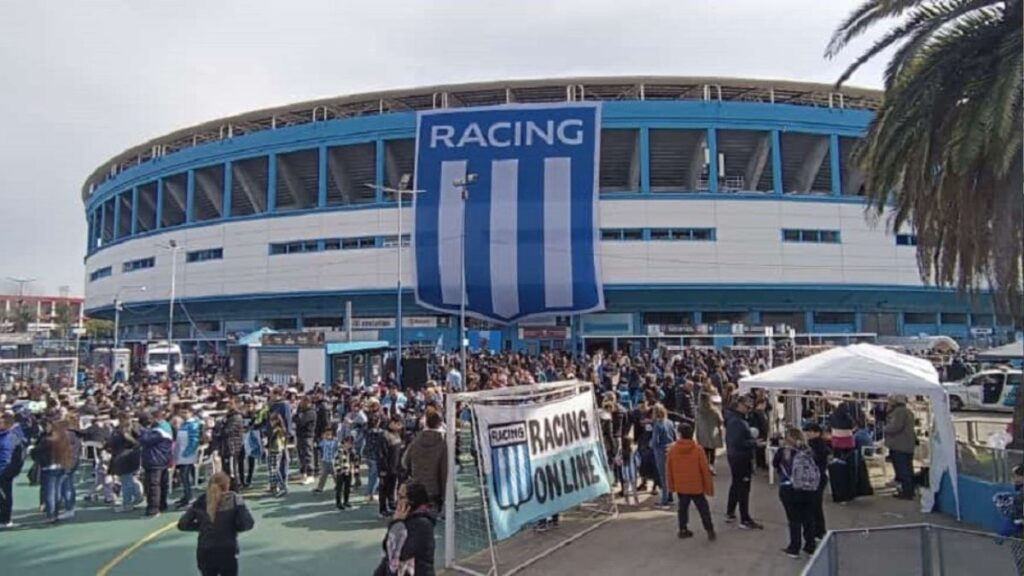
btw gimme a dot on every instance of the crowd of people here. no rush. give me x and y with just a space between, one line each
665 419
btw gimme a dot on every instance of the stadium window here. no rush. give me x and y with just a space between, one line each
392 241
632 234
906 240
208 197
667 318
249 186
332 244
811 236
145 212
620 161
204 255
350 168
358 243
140 264
298 176
611 234
919 318
276 249
174 201
661 234
982 320
100 273
726 317
833 318
953 318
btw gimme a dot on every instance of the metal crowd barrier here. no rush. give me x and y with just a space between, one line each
915 550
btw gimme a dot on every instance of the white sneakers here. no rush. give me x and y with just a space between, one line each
307 480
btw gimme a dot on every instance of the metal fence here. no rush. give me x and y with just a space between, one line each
915 550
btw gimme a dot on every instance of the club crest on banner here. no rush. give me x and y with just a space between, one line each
508 197
511 472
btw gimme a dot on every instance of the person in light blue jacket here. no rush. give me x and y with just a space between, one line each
663 435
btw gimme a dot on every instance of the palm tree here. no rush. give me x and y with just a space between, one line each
945 148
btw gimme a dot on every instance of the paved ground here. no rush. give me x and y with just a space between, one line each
305 535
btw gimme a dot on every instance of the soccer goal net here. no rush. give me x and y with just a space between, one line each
528 474
58 373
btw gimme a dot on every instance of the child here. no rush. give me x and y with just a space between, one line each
328 448
277 446
628 465
344 463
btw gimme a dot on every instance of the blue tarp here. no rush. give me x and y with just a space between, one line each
349 347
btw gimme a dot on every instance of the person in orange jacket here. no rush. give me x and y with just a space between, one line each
689 476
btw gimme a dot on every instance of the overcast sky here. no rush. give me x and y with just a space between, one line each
82 81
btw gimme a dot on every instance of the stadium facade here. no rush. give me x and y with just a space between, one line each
722 202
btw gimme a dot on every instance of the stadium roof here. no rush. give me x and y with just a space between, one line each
490 93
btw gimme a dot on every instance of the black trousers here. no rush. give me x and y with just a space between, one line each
739 490
342 489
386 496
249 472
157 484
234 466
701 502
6 498
819 508
710 453
217 562
305 447
799 508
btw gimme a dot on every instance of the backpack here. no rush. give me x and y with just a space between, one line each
804 474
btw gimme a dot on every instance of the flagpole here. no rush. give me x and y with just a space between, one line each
464 184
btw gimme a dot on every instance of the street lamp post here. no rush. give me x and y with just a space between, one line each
464 184
117 310
399 193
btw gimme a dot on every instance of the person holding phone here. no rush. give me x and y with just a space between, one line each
409 543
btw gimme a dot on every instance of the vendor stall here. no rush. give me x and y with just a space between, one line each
869 369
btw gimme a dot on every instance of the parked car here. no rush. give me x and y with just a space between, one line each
994 390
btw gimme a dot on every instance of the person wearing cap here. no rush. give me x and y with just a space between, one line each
740 442
900 439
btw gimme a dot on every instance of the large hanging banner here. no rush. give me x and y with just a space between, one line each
510 194
540 459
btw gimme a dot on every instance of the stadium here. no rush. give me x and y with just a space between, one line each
726 205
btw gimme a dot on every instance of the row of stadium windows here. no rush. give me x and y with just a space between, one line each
326 244
798 320
632 161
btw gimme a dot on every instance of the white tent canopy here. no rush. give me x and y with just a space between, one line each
869 369
1005 352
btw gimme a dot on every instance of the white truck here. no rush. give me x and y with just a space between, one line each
994 390
160 356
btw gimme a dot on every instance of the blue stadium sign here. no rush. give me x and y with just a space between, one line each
529 218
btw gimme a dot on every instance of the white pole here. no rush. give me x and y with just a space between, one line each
170 308
117 319
462 299
398 361
78 338
449 488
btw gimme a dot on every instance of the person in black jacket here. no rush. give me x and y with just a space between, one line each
819 447
125 460
156 440
410 535
218 516
305 433
740 442
323 421
389 463
232 445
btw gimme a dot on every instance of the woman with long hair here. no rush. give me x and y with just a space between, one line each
218 516
799 478
709 428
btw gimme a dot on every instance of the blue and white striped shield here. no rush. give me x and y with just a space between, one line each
526 228
511 471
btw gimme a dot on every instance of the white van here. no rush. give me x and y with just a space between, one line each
160 355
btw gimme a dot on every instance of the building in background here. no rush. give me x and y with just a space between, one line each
726 206
39 314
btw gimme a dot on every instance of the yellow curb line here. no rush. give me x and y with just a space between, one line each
131 549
